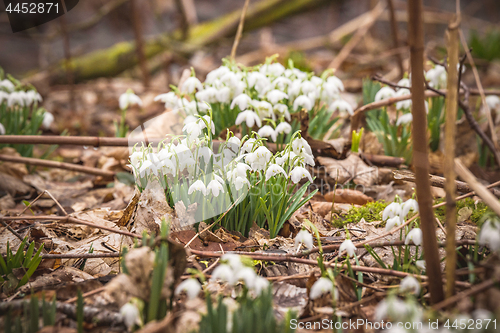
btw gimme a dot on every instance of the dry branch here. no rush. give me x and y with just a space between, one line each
57 165
421 150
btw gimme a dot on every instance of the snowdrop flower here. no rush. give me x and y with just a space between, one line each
275 69
405 82
304 237
223 95
259 158
335 81
281 83
392 222
308 87
148 168
170 99
233 260
301 146
191 84
437 77
322 286
415 236
203 121
298 173
249 117
493 102
248 275
198 186
287 157
282 109
409 205
16 97
349 247
223 273
384 93
490 234
393 209
342 106
234 140
260 284
303 102
216 74
191 286
274 96
48 119
130 315
32 96
283 128
192 129
215 187
294 89
239 182
391 306
410 284
167 167
7 85
404 119
2 129
129 98
242 101
405 104
248 145
266 132
207 95
273 170
256 78
135 158
420 264
264 109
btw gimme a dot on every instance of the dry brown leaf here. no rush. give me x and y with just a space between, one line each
352 168
17 170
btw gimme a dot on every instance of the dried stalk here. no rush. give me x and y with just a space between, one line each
58 165
239 32
421 150
449 154
395 38
479 188
351 44
90 141
470 292
139 41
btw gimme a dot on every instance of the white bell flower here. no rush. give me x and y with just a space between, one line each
410 284
239 182
129 98
415 236
393 209
288 157
2 129
493 102
275 69
490 234
336 81
191 286
409 205
274 96
223 95
206 153
208 95
256 78
193 129
260 284
404 119
7 85
307 87
303 102
167 167
233 260
301 146
342 106
223 273
234 140
392 222
148 168
191 84
406 104
349 247
294 89
32 96
4 96
282 109
198 186
322 286
249 117
248 146
242 101
264 109
247 275
48 119
266 132
384 93
17 97
281 83
273 170
259 158
283 127
390 307
130 314
215 187
216 74
437 77
298 173
136 158
170 99
420 264
405 82
207 120
304 237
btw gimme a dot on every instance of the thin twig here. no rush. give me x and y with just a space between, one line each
239 32
56 164
467 293
87 294
80 255
395 38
